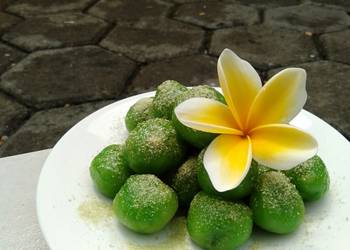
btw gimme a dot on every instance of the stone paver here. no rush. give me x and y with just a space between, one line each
269 3
8 56
183 1
11 114
308 17
337 45
265 46
58 30
93 50
126 11
328 92
28 8
154 40
340 3
44 128
212 14
163 24
56 77
6 21
190 70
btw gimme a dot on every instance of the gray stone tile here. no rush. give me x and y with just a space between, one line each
328 92
2 5
337 46
268 3
184 1
9 56
56 30
265 46
213 15
126 11
190 70
45 128
56 77
28 8
11 114
308 17
7 21
340 3
168 44
149 40
162 24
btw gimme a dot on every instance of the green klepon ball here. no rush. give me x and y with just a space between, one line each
243 189
200 91
277 206
141 111
261 169
310 178
184 181
109 170
196 138
153 147
166 94
215 224
145 204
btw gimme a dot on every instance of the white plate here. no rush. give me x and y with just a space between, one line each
73 215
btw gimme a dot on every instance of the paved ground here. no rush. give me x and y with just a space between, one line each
62 59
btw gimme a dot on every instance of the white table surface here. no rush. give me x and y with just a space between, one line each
19 228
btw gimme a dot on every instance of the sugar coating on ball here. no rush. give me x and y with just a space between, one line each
165 98
311 178
109 170
154 147
277 206
217 224
141 111
184 181
200 91
145 204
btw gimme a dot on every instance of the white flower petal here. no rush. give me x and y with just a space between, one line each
227 160
282 146
239 82
280 100
206 115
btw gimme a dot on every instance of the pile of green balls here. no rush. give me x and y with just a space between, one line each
159 172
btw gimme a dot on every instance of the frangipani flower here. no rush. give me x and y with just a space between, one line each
253 124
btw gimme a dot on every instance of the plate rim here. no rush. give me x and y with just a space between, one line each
44 168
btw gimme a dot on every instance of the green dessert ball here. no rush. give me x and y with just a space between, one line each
109 170
196 138
184 181
261 169
216 224
153 147
204 91
164 100
141 111
145 204
243 189
310 178
277 206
